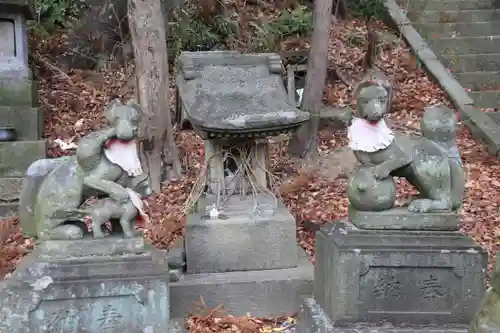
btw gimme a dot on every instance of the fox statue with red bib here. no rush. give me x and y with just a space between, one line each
430 163
106 167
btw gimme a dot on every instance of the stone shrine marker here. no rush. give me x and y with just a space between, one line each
19 114
240 241
7 34
397 269
14 46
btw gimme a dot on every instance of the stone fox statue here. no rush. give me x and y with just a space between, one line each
105 162
431 163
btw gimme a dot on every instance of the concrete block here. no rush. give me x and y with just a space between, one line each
125 292
312 319
452 16
17 156
18 92
28 122
485 99
401 219
459 29
479 80
10 188
437 5
239 240
465 45
405 278
261 293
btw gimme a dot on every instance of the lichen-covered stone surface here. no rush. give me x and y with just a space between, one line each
367 193
59 187
404 278
487 317
229 91
101 287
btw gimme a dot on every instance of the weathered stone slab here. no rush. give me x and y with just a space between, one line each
28 122
31 183
421 5
112 293
405 278
312 319
226 93
90 247
462 15
25 7
472 62
465 45
17 156
18 92
481 80
240 241
485 99
14 47
10 188
262 293
400 219
463 29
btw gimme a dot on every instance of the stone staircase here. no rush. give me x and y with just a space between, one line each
465 36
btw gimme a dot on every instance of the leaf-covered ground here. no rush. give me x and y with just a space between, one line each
73 103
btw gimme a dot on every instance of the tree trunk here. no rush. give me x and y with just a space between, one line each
147 26
303 142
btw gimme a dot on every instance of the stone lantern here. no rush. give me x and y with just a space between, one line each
19 115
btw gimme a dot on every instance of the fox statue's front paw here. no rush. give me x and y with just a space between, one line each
380 172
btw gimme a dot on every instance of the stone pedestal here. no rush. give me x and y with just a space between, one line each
94 286
18 103
393 281
249 264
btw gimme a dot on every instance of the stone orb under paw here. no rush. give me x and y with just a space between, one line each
366 193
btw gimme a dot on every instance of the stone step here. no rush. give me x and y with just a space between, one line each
16 92
10 188
454 16
421 5
471 62
465 45
28 122
7 209
443 30
479 80
485 99
495 116
17 156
